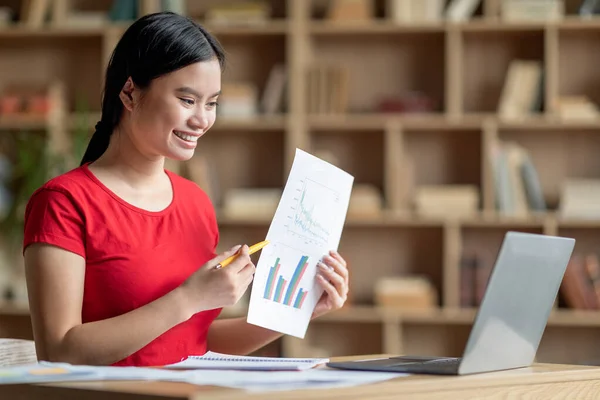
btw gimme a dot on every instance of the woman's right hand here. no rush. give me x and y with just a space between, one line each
209 288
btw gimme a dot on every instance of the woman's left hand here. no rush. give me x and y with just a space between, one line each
332 275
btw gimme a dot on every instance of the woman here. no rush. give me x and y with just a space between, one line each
119 252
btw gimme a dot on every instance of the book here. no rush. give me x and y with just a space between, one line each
461 10
576 287
213 360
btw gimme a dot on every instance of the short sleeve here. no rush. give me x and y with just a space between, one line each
52 217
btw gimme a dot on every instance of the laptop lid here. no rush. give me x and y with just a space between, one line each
517 302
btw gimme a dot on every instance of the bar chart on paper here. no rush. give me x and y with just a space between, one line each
285 284
286 291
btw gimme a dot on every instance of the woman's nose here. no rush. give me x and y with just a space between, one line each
199 122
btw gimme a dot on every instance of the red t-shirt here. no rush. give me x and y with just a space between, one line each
133 256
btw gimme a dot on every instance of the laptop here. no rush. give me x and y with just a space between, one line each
511 318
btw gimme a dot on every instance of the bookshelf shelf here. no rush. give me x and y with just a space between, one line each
366 313
252 124
347 121
58 32
479 220
326 28
429 92
359 121
587 224
574 23
276 122
22 122
440 316
505 223
548 123
497 26
273 27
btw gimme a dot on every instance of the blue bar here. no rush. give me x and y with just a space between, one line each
270 280
278 290
294 281
298 298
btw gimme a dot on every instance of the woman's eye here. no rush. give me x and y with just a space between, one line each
213 104
188 101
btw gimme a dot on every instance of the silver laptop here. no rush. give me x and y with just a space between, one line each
512 316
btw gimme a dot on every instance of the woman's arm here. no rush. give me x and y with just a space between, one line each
55 281
236 336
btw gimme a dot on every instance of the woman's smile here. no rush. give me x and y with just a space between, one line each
187 140
188 137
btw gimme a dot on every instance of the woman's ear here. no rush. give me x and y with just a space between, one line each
126 94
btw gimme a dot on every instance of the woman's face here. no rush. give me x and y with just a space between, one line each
169 117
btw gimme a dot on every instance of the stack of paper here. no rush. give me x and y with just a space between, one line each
317 378
314 378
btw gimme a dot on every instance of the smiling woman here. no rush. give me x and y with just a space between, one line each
165 73
120 254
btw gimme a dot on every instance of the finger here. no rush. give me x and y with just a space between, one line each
334 296
225 255
337 266
338 257
248 270
337 280
249 279
228 253
241 260
245 278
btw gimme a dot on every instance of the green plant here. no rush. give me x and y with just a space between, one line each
28 173
34 164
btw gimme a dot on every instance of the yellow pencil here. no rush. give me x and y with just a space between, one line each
253 249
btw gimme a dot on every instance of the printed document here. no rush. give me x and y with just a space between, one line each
315 378
252 381
307 224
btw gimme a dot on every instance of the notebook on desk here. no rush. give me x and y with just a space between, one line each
212 360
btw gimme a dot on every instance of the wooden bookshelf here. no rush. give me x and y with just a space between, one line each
462 66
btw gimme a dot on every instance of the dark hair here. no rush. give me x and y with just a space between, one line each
154 45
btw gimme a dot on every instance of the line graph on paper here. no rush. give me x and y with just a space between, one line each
311 216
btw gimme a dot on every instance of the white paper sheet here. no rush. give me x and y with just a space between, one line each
62 372
316 378
307 224
319 378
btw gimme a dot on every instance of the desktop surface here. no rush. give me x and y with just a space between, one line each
548 381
